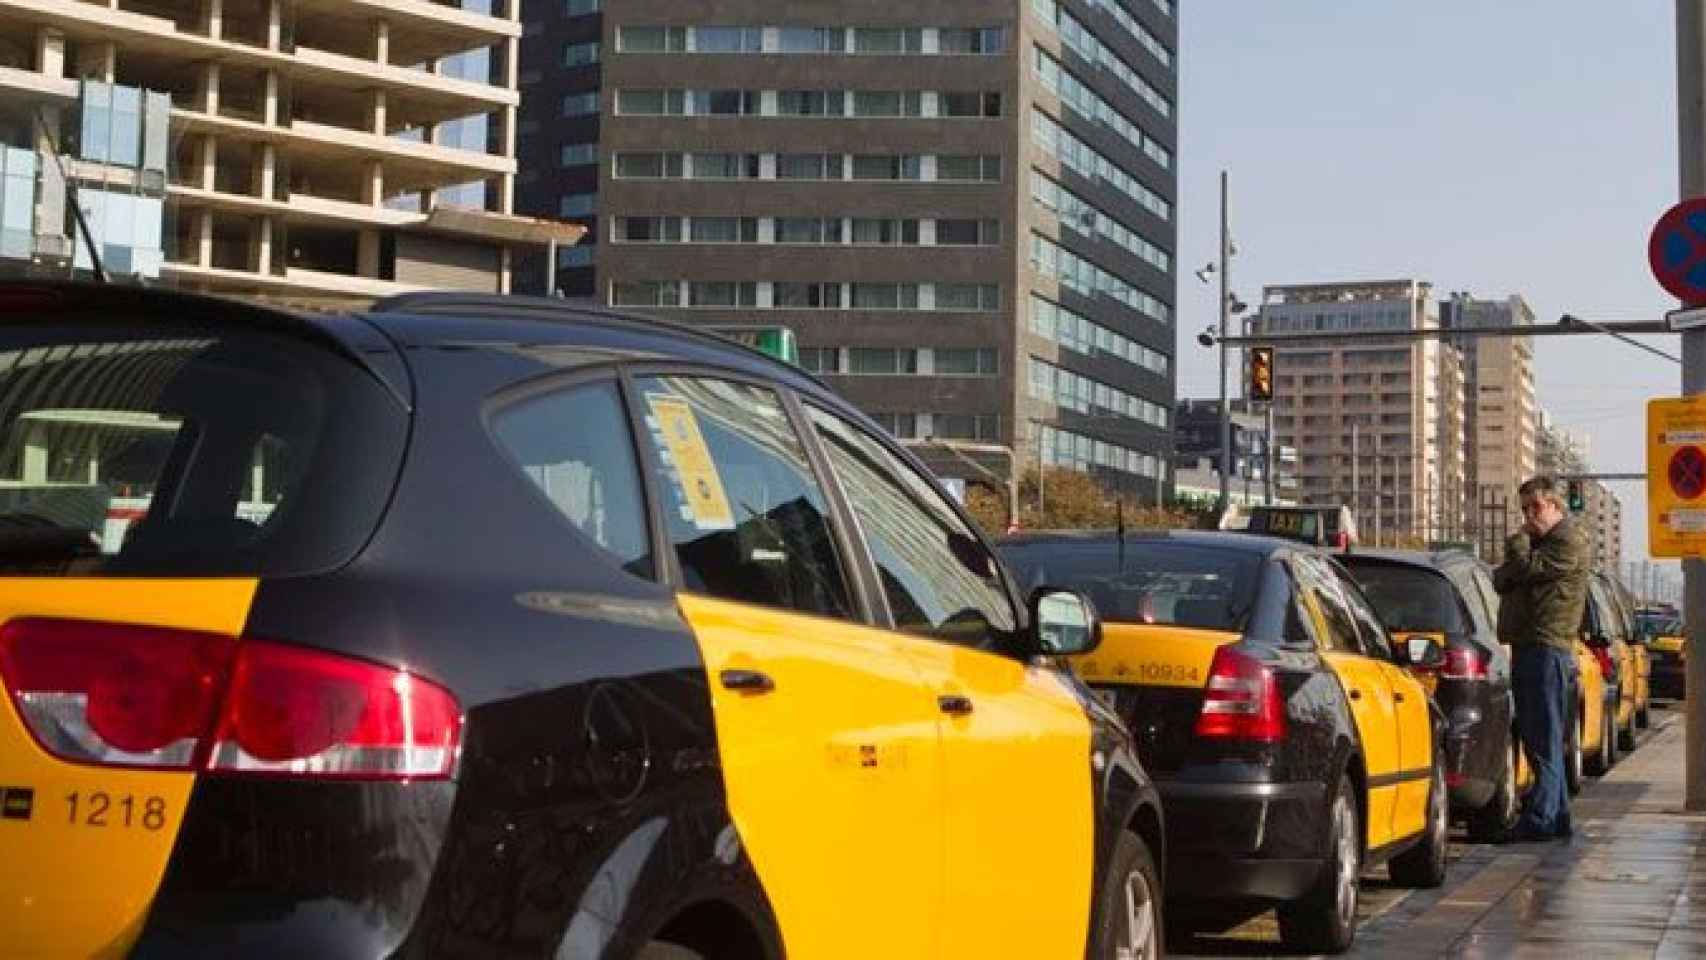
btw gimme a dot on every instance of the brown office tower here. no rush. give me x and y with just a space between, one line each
965 210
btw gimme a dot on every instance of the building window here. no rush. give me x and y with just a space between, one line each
888 103
576 8
967 362
648 166
725 166
651 103
885 40
882 361
724 230
722 293
867 167
577 205
580 54
808 230
985 168
728 40
820 359
646 230
970 104
645 294
806 296
575 257
651 39
576 154
811 40
968 233
580 104
811 103
990 40
808 166
885 296
885 232
977 297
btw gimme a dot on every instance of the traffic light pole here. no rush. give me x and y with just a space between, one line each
1691 143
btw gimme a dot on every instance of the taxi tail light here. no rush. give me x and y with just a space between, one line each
1463 663
134 696
301 712
1241 700
1603 655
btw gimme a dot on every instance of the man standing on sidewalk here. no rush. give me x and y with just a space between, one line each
1543 587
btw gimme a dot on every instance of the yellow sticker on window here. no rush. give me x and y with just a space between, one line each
703 498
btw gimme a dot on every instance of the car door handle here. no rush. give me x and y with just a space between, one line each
954 704
1397 698
1356 694
747 681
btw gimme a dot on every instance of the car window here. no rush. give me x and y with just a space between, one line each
1321 586
745 513
1374 638
1469 598
1488 594
937 576
146 448
1592 616
1605 611
576 447
1151 581
1409 598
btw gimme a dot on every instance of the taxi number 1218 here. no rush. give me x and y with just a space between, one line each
102 809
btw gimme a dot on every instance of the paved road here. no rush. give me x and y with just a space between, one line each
1632 883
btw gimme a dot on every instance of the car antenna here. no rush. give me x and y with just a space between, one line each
1119 520
76 205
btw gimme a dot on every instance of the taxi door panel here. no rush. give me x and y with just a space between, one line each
1369 694
1019 806
1415 751
833 776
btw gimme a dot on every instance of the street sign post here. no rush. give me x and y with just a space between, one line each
1688 318
1676 476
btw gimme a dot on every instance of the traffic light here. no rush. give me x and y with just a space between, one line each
1573 495
1261 374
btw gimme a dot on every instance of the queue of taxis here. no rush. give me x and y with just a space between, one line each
1443 605
487 627
1291 745
1667 647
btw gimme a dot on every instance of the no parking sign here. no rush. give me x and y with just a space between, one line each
1676 476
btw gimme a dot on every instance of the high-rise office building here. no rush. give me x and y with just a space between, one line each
1502 419
965 210
311 149
1378 425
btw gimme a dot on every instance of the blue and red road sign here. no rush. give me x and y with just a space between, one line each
1677 251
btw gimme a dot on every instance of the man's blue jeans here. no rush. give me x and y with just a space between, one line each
1542 677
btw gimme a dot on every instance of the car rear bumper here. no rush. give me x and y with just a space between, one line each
1668 678
285 868
1239 841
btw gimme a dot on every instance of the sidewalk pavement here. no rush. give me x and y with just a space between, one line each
1631 883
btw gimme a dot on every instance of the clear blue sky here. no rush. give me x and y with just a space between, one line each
1519 146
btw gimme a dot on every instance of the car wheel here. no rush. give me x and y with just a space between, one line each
1598 762
1626 736
1494 821
1324 920
1573 761
1131 905
1644 717
1423 865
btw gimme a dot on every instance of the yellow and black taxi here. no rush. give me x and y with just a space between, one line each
1640 659
1610 631
1591 747
474 626
1666 644
1291 747
1443 607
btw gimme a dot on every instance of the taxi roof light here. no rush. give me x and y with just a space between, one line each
134 696
1241 700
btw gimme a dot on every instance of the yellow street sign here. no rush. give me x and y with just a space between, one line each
1676 477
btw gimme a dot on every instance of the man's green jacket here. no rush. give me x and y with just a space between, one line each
1543 586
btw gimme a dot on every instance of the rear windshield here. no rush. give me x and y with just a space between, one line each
1162 583
1409 599
1652 625
161 451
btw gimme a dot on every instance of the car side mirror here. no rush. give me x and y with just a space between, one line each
1063 622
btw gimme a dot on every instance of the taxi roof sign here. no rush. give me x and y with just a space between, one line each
1676 477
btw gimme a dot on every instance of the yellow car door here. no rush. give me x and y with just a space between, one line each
1367 691
1018 802
827 739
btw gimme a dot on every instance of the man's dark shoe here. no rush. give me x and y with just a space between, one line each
1527 834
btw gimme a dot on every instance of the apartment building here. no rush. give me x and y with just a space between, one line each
965 210
1377 424
1502 413
312 150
